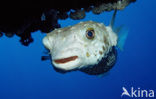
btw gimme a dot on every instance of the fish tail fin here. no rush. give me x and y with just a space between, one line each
122 33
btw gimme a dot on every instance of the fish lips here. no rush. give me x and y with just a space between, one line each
65 60
68 63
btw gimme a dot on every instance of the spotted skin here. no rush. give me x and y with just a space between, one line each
90 42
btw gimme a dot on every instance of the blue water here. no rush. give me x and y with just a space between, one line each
24 76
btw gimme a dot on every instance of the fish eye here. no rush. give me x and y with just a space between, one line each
90 33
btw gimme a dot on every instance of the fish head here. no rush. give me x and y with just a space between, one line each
79 46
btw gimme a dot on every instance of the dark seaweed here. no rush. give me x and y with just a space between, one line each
22 17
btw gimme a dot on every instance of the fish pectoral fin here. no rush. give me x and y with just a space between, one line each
122 33
44 58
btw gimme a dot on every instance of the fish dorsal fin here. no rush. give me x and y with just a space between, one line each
113 19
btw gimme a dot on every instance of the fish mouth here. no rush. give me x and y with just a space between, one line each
65 60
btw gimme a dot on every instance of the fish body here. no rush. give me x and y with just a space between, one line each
87 46
71 47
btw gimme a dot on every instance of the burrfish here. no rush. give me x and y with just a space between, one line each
87 46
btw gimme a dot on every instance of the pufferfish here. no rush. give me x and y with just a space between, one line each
87 46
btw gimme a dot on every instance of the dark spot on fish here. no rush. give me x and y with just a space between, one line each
87 54
103 48
100 52
106 40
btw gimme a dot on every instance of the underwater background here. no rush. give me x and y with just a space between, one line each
24 76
